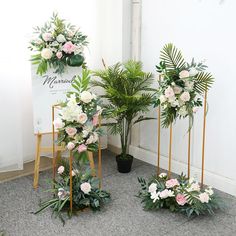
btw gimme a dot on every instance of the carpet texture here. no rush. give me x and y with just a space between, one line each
122 216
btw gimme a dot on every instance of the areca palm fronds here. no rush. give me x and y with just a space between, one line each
129 92
203 82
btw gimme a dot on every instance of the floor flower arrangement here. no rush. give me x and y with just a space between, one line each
178 195
57 44
79 131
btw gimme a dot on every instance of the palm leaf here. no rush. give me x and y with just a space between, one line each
172 57
203 82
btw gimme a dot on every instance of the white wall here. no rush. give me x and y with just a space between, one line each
205 30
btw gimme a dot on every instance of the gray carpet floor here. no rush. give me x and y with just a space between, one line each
122 216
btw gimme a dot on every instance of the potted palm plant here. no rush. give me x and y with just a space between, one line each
129 95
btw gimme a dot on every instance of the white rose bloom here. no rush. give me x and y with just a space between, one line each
193 71
152 188
177 89
47 37
182 111
46 53
183 74
185 96
86 187
175 103
58 124
61 38
155 196
162 99
89 140
204 197
189 85
86 97
54 43
162 175
85 133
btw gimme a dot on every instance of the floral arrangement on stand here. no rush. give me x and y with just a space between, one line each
79 132
181 85
57 44
178 195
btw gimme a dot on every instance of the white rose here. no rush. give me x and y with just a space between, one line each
162 175
152 188
60 169
61 38
82 118
155 196
47 37
58 124
177 90
86 97
185 96
46 53
89 140
189 85
85 133
183 74
166 193
183 111
162 99
195 187
193 71
169 92
204 197
175 103
70 145
85 187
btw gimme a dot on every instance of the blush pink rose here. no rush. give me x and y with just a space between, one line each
70 145
172 183
68 47
59 55
82 148
169 92
71 131
181 199
95 120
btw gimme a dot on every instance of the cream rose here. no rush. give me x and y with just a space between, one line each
183 74
185 96
82 118
61 38
86 187
86 97
152 188
46 53
47 37
169 92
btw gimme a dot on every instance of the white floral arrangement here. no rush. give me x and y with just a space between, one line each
181 85
178 195
79 117
57 44
78 130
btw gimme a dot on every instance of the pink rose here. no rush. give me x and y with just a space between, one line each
60 169
70 145
82 148
95 120
71 131
59 55
169 92
172 183
82 118
181 199
68 47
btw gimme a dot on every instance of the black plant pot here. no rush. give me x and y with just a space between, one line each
124 164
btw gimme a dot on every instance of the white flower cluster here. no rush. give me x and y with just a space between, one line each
177 96
78 125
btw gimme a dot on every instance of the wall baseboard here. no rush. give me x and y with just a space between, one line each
219 182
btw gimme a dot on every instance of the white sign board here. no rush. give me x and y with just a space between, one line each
49 89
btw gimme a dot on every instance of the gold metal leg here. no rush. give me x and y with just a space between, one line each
53 146
203 138
37 161
100 157
91 162
170 152
159 140
189 151
71 194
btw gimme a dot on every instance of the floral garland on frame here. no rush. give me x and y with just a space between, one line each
78 130
181 86
178 195
57 45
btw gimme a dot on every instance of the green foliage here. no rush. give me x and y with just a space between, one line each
203 82
129 93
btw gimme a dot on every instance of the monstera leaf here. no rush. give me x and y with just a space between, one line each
75 60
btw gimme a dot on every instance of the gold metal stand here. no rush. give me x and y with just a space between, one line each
189 151
170 151
204 137
100 156
71 194
158 139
